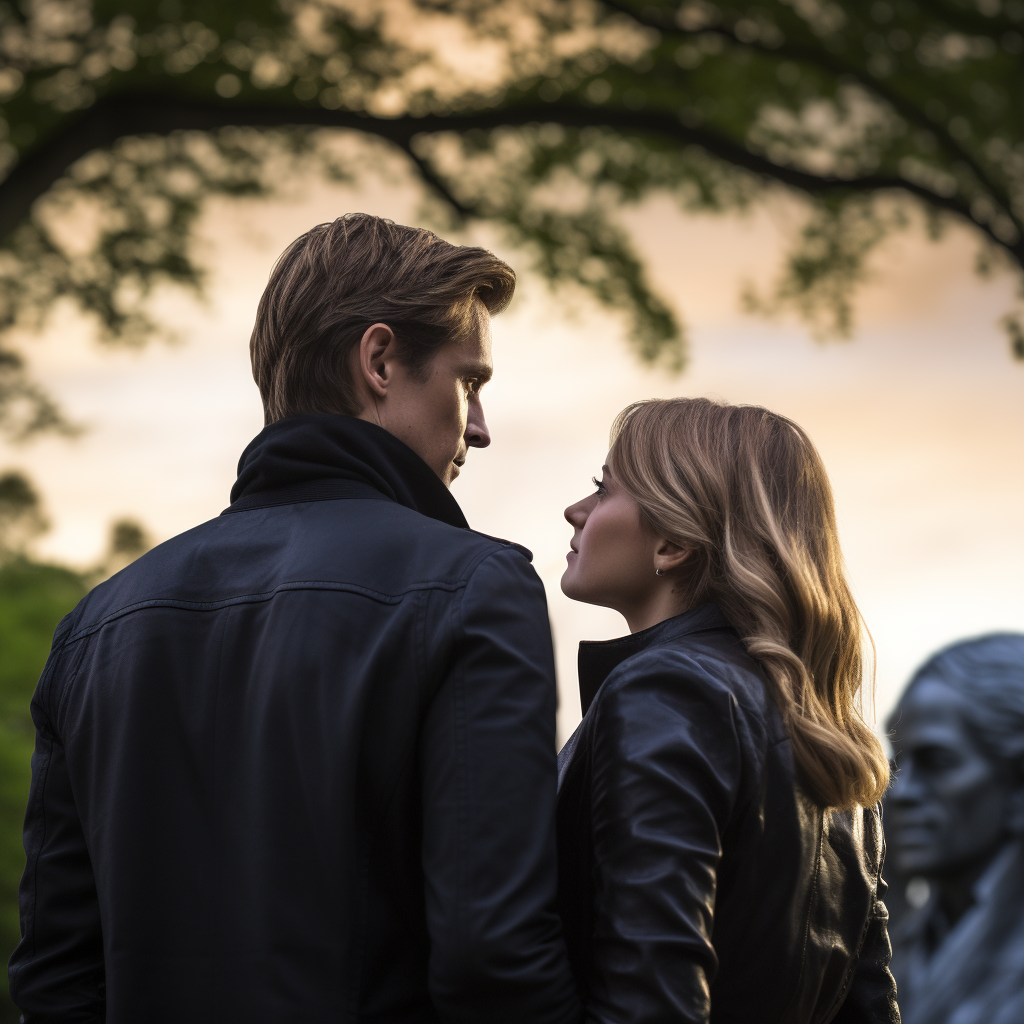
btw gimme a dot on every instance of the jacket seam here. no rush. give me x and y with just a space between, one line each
31 870
40 832
45 686
216 775
65 696
208 606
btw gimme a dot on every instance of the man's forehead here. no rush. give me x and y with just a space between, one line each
475 348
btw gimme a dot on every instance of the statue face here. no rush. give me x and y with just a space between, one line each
949 807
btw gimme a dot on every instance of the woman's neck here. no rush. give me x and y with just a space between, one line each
664 603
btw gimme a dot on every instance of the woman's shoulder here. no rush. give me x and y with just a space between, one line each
686 709
711 669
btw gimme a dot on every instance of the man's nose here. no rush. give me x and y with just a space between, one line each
477 435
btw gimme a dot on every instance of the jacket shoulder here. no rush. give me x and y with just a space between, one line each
367 545
502 543
713 670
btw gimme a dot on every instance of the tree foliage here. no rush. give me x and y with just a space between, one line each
541 117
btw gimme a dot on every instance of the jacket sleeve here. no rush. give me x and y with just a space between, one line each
871 998
56 973
488 767
666 769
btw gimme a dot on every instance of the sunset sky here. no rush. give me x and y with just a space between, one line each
919 418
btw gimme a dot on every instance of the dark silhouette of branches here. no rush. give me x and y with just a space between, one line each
868 109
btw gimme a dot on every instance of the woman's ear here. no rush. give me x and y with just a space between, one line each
668 556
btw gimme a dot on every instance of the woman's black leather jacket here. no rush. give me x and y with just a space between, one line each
697 881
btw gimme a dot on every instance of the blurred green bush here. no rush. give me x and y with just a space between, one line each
33 599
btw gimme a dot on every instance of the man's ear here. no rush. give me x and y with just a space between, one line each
376 352
668 556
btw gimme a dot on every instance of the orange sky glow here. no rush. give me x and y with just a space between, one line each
919 418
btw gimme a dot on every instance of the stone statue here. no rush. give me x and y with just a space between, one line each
955 829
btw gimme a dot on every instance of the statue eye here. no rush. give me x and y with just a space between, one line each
937 759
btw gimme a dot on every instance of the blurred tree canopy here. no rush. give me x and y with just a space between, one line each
21 517
541 117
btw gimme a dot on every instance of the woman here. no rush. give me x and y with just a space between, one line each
720 846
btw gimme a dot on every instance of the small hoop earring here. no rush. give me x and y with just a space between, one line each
658 572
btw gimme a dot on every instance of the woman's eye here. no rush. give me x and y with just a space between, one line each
598 484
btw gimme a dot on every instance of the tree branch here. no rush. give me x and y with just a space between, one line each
115 117
430 177
836 66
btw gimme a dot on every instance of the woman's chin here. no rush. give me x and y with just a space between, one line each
575 589
570 586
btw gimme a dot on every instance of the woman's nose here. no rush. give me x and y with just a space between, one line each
576 515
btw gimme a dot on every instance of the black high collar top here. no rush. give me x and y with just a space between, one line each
597 659
319 457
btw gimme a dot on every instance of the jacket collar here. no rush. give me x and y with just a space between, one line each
308 458
598 658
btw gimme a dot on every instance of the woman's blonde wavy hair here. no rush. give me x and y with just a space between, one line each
747 490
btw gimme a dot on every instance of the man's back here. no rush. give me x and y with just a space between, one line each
298 764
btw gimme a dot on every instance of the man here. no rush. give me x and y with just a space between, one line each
955 824
298 764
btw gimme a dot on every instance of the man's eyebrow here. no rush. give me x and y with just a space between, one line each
480 371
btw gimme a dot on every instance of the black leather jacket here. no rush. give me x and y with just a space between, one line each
696 881
298 765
